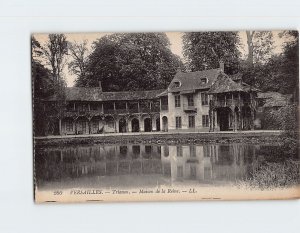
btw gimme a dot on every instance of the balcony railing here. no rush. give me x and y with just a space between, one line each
229 102
189 108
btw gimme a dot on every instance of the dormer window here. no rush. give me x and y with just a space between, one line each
177 84
204 80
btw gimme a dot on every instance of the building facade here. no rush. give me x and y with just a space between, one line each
204 101
92 111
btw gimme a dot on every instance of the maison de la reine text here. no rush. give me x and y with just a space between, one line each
203 101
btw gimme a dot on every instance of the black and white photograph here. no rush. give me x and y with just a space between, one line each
166 116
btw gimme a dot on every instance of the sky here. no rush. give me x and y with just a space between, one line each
174 37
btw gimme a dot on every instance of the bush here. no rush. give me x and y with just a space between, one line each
275 175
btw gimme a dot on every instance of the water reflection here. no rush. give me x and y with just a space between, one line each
133 165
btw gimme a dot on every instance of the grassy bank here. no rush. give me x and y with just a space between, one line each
171 139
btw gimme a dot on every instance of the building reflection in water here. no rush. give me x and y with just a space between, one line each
201 163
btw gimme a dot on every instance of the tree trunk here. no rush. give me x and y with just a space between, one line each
250 47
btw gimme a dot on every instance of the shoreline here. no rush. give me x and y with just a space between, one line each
170 138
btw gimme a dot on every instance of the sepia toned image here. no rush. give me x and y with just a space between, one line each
175 116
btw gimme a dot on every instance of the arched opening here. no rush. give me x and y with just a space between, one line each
82 126
135 125
68 125
236 118
246 121
97 125
109 126
157 121
147 125
122 126
165 123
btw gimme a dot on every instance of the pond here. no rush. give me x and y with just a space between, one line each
146 165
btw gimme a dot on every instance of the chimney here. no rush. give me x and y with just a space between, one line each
221 65
100 86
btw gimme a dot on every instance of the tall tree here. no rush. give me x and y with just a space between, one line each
55 51
204 50
260 46
79 53
290 64
42 88
131 61
279 72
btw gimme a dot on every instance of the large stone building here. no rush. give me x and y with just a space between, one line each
206 100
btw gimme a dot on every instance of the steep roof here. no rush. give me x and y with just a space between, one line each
193 80
225 84
274 99
164 93
95 94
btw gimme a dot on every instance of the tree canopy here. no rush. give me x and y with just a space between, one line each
131 61
278 73
204 50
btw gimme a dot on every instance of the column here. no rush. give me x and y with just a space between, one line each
234 120
213 120
129 126
116 125
210 120
217 126
59 126
89 125
252 119
142 129
75 122
153 119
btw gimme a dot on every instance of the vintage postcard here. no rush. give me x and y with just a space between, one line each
175 116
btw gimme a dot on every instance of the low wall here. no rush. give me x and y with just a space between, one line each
163 138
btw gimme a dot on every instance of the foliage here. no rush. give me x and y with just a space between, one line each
131 61
285 118
276 73
48 82
275 175
204 50
79 54
55 52
42 88
260 46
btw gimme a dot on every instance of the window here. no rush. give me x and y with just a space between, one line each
69 125
206 151
191 121
190 100
193 172
177 101
205 121
178 122
177 84
192 151
166 150
179 171
203 80
179 151
204 98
